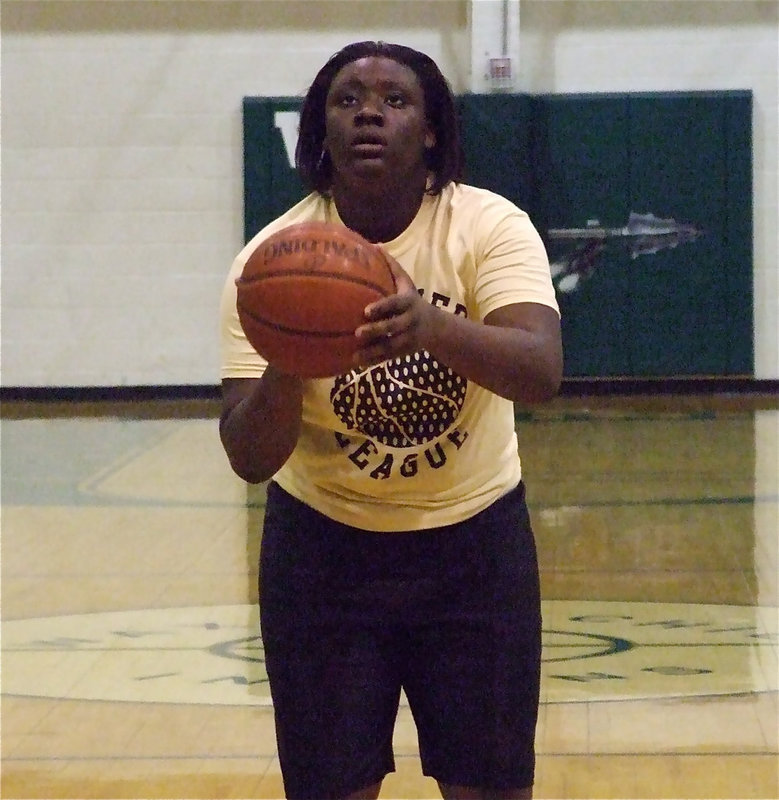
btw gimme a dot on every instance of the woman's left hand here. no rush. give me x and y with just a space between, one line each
395 325
515 352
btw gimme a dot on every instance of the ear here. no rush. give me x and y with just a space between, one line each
429 139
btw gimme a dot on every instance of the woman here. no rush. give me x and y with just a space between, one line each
397 551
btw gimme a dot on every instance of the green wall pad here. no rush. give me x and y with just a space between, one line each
644 201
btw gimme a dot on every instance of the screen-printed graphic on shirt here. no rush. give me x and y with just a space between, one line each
400 403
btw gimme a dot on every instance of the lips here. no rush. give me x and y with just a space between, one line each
368 145
368 139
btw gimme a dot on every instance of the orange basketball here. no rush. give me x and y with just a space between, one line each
302 295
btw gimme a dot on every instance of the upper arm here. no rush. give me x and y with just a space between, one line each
542 322
532 317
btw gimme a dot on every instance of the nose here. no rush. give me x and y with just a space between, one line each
369 113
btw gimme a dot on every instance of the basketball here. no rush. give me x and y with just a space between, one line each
302 294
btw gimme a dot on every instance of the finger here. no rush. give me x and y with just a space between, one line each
380 349
374 333
392 306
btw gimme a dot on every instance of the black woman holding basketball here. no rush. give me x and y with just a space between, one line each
397 552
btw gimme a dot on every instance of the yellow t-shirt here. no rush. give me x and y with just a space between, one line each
408 444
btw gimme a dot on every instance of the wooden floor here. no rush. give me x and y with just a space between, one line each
131 666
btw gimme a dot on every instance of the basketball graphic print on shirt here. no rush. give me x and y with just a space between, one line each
404 402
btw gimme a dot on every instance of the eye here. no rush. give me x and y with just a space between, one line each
343 99
395 100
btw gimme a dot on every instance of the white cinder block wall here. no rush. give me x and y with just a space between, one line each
122 152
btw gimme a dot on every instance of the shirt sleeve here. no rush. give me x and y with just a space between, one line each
512 265
239 358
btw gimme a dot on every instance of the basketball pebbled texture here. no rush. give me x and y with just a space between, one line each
303 292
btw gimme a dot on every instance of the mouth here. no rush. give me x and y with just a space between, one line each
368 145
367 150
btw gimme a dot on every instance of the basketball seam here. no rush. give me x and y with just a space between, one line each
292 331
338 276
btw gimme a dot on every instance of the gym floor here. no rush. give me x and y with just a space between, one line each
132 668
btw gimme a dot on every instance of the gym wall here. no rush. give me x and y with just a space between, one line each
122 153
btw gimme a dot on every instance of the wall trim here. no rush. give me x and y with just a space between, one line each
571 387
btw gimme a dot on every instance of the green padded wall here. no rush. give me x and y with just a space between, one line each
582 162
497 136
582 173
271 184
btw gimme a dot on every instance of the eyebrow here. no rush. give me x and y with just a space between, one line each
384 84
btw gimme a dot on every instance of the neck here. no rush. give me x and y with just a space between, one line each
379 216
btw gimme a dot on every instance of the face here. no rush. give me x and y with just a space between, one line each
376 127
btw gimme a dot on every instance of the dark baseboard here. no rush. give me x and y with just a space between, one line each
112 394
142 402
571 387
581 387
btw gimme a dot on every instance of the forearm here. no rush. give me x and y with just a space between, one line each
259 428
521 364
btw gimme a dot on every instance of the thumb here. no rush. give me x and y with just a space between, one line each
403 282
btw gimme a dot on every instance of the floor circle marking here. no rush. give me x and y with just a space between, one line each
592 651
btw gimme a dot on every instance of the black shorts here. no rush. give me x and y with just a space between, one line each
451 615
